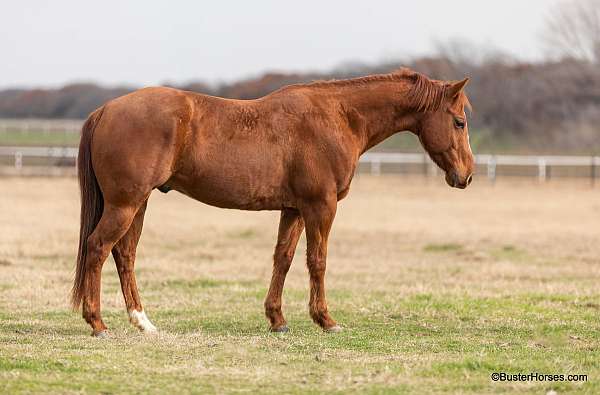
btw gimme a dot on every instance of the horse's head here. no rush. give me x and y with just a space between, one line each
444 134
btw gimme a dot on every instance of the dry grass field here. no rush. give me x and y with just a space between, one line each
436 289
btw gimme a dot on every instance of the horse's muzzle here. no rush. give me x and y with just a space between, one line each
453 179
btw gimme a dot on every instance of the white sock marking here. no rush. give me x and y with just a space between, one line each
141 321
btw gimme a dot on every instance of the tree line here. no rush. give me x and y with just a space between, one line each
555 103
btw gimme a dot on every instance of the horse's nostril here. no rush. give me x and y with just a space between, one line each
455 179
469 179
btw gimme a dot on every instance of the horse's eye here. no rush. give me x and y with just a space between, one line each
459 123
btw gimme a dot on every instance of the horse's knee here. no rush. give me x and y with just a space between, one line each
283 259
316 266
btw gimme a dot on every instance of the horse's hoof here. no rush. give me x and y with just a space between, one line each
333 329
100 334
281 329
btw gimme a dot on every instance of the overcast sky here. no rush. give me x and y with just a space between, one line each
47 43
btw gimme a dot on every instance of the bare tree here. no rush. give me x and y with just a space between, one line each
573 30
462 51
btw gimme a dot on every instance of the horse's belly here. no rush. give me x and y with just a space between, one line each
233 190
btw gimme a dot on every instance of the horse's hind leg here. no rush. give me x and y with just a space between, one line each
124 254
114 223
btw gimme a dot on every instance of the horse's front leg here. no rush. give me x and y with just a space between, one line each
291 226
318 217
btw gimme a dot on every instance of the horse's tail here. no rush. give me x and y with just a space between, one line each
92 203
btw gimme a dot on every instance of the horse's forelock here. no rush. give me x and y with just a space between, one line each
428 95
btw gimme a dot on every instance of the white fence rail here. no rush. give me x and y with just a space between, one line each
490 162
40 125
39 152
374 160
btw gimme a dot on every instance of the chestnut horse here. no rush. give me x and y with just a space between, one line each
294 150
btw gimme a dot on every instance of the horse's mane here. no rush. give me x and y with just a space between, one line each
423 94
426 94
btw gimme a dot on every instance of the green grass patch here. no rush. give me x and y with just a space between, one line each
426 343
198 283
38 138
444 247
242 234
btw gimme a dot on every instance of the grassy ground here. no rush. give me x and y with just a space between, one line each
436 289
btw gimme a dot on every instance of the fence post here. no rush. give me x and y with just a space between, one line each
491 168
541 169
375 167
593 164
18 160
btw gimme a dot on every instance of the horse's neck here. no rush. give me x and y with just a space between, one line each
376 114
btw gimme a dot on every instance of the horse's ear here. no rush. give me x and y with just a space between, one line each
455 88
